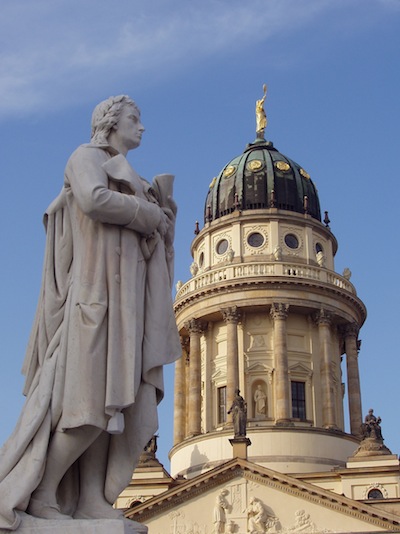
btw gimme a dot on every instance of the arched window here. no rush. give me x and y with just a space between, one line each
374 493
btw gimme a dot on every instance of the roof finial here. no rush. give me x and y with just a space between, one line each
261 118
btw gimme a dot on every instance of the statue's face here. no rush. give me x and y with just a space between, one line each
129 129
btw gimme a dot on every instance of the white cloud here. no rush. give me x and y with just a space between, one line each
52 48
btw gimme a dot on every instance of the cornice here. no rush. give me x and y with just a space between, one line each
243 286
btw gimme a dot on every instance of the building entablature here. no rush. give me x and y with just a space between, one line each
254 293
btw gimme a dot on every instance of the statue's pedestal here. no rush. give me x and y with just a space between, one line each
240 447
34 525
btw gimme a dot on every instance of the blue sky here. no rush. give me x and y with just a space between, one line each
195 69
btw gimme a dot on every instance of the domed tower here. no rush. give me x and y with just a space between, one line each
266 312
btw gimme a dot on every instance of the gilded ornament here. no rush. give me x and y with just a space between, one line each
255 165
305 174
261 117
231 169
282 166
212 183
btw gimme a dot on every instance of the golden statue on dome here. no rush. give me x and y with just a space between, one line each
261 118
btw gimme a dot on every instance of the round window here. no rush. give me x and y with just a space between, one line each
255 239
222 246
319 247
291 241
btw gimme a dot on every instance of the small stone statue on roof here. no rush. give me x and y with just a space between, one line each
239 415
371 427
371 437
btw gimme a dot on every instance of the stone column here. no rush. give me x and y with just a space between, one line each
195 329
180 394
324 322
279 313
209 385
231 317
353 378
187 382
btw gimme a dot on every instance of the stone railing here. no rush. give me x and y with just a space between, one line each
263 270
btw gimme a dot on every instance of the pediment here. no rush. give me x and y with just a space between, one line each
239 491
259 367
300 369
217 375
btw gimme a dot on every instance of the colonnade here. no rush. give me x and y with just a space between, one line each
187 408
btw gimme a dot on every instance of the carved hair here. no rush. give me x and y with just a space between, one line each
106 116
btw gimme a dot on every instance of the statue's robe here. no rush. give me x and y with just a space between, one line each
103 329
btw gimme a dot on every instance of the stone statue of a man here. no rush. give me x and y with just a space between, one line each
103 331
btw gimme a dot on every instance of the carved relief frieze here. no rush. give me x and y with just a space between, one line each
257 342
220 510
260 517
240 506
238 495
304 523
255 320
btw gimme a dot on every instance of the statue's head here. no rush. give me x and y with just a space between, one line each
106 115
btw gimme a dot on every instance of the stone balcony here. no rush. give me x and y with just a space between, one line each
229 274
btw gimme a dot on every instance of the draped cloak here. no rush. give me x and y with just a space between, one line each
104 328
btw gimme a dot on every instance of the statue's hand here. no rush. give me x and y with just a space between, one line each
172 205
163 224
170 216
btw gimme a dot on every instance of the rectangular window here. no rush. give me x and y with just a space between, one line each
221 394
299 400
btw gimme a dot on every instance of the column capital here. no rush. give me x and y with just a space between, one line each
279 310
323 317
231 314
351 330
195 326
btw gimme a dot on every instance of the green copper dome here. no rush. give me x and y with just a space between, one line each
261 178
